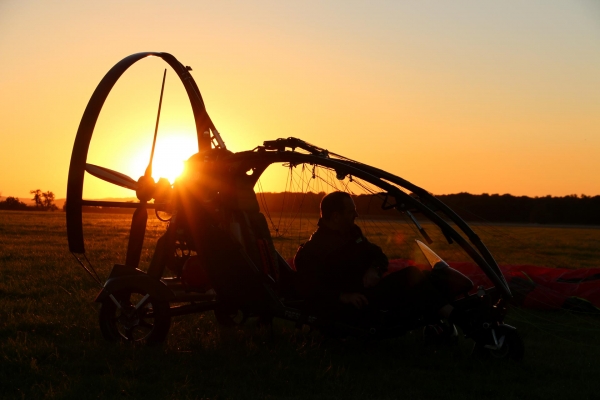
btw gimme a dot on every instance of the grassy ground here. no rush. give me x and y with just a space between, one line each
51 347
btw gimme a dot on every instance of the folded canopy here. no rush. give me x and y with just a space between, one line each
536 286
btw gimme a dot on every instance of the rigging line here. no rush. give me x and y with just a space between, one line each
304 193
370 201
335 187
339 184
374 194
302 172
317 179
266 204
266 207
264 201
314 199
293 216
378 226
388 226
331 181
381 196
287 226
372 225
282 203
368 224
327 183
349 180
305 188
358 182
336 182
368 190
94 275
306 184
322 187
293 194
92 268
304 181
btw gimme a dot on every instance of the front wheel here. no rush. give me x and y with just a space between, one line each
505 343
134 316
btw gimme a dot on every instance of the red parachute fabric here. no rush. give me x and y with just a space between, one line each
534 286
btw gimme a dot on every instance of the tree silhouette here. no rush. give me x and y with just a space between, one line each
43 200
12 203
48 201
37 198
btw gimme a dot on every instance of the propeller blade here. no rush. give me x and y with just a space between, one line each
110 176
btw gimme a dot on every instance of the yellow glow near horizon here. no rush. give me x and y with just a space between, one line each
482 97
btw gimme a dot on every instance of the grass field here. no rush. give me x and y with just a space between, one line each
51 347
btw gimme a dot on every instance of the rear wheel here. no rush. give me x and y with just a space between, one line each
134 316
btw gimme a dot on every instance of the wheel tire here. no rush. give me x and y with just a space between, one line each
149 324
512 347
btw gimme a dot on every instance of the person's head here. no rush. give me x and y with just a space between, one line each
338 210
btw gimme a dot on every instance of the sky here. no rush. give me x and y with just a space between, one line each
461 96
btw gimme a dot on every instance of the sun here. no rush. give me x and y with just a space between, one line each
169 156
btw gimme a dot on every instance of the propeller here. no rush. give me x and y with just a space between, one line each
145 186
110 176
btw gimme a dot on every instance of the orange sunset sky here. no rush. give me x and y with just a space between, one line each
475 96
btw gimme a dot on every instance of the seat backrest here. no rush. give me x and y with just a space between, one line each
236 247
251 229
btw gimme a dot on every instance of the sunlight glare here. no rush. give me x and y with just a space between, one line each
170 153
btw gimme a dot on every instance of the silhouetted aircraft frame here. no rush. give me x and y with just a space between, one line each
217 231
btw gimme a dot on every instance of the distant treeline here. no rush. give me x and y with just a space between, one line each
13 203
573 209
44 201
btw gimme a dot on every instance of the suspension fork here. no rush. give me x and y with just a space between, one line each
165 248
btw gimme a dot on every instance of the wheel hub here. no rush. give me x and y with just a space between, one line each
129 317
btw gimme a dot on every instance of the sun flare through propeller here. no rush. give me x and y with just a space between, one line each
145 186
85 131
110 176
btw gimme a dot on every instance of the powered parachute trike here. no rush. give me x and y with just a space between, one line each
218 232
